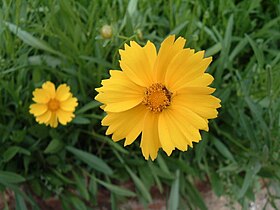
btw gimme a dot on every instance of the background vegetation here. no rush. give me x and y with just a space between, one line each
60 41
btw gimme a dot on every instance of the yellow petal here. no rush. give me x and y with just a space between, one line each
165 135
181 120
168 50
177 66
138 62
119 93
171 132
203 105
150 136
53 120
151 53
38 109
119 80
202 81
50 88
122 106
197 100
193 68
193 118
195 91
205 112
127 124
64 117
40 96
63 92
102 106
69 104
44 118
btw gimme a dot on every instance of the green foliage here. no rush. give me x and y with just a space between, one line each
60 41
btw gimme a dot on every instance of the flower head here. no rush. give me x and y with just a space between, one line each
53 105
165 96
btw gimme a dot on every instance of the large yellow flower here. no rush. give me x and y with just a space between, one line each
53 105
164 96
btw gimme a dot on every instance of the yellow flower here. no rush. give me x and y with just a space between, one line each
53 105
165 96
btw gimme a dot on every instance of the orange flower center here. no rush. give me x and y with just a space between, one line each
53 104
157 97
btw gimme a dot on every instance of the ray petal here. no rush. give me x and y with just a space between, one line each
69 104
138 62
38 109
127 124
53 120
168 50
64 117
44 118
40 96
150 136
119 93
63 92
177 137
50 88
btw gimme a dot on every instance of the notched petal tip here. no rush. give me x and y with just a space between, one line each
134 44
99 89
168 152
126 47
168 40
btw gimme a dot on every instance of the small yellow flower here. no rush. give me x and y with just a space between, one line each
165 96
53 105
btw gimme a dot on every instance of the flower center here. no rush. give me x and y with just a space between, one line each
157 97
53 105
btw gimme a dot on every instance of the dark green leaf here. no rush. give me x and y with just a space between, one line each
54 146
10 177
92 160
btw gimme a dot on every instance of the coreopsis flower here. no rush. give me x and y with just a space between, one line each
53 105
163 96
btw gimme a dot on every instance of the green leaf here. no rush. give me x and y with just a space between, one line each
62 177
163 166
88 106
116 189
81 120
110 142
132 7
179 28
201 147
81 184
20 204
31 40
10 153
77 203
92 160
216 183
54 146
251 172
213 50
222 149
10 177
39 131
257 51
173 201
195 196
140 186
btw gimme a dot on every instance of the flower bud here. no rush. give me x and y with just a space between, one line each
106 32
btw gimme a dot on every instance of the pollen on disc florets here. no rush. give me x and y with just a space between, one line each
157 97
53 105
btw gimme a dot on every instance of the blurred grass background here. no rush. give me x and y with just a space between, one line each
60 41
